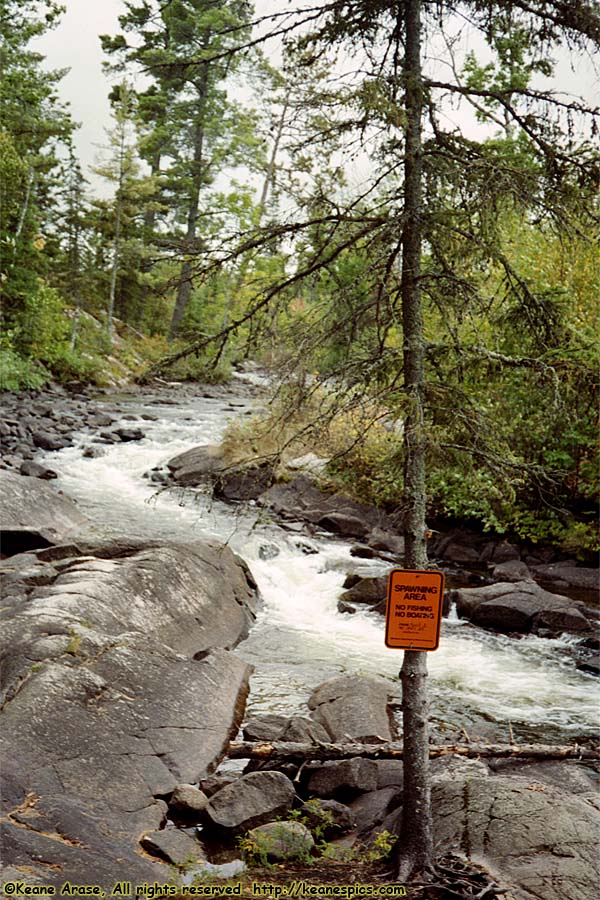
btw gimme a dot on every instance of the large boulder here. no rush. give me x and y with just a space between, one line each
117 686
521 607
354 708
302 499
540 839
196 466
250 801
563 575
34 514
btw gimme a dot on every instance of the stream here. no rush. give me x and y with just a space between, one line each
481 682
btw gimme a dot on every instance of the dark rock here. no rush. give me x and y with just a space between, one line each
350 580
214 783
129 434
591 664
31 510
244 482
302 499
389 772
387 542
571 575
367 590
353 708
522 607
174 846
250 801
282 840
512 570
343 779
36 471
46 441
268 551
361 551
344 524
328 818
346 608
371 808
93 452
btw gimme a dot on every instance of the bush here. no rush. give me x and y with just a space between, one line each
17 373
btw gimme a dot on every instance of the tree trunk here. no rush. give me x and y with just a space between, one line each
184 290
117 242
414 849
284 751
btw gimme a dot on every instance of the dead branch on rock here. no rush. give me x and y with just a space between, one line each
281 751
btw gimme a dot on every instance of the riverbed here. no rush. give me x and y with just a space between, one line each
482 684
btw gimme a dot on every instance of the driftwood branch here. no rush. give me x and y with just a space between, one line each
279 751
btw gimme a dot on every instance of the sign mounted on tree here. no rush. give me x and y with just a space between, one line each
414 609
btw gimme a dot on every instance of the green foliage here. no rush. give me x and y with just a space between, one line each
17 373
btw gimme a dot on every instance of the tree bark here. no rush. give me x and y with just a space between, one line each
414 849
185 277
283 751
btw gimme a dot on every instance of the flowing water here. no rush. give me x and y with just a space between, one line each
479 681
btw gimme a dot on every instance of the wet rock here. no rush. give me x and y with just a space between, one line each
302 499
520 607
93 452
174 846
34 470
33 512
129 434
591 664
196 466
282 840
569 575
353 708
46 441
243 482
250 801
367 590
344 524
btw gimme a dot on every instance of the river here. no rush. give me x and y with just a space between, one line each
480 682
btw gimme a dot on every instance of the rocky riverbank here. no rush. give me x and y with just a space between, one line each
512 596
120 694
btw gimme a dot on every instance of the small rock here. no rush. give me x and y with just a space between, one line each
282 840
46 441
174 845
33 469
188 799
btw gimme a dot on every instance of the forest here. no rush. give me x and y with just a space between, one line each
410 281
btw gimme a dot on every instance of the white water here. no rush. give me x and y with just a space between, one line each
300 638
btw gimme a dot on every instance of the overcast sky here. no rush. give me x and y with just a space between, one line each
75 45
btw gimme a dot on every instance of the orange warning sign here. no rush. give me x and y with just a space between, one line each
414 609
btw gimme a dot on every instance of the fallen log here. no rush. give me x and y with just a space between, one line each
281 751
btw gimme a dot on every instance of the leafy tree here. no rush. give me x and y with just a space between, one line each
432 215
33 125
